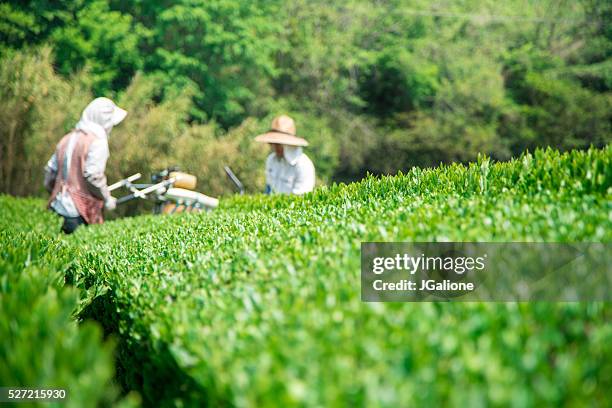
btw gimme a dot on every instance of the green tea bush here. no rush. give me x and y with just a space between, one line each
42 344
258 303
27 215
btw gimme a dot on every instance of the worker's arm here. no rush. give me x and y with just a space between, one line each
50 173
305 179
95 166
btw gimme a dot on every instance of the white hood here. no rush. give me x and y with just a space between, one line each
292 154
100 116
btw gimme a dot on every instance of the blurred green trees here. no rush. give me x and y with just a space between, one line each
82 33
376 87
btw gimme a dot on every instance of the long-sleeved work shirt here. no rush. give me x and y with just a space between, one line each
290 177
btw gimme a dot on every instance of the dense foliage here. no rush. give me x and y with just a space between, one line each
42 345
375 86
258 303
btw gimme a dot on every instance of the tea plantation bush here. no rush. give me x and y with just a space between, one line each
258 303
41 344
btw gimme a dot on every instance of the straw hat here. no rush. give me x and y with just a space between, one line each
282 131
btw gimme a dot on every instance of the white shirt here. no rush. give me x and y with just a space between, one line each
292 174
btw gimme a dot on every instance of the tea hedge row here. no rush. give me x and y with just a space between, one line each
574 173
42 345
258 303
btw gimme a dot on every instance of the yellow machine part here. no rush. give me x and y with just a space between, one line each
171 208
184 180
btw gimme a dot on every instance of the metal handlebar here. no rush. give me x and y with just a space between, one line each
143 193
234 179
124 182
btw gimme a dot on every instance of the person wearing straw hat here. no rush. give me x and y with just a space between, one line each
75 173
288 169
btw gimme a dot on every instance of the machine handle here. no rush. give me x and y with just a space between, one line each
126 198
124 182
143 193
234 179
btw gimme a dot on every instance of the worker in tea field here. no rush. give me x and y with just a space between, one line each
288 169
75 173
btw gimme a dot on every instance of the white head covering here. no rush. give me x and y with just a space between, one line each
100 116
292 153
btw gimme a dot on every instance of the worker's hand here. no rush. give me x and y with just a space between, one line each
110 203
